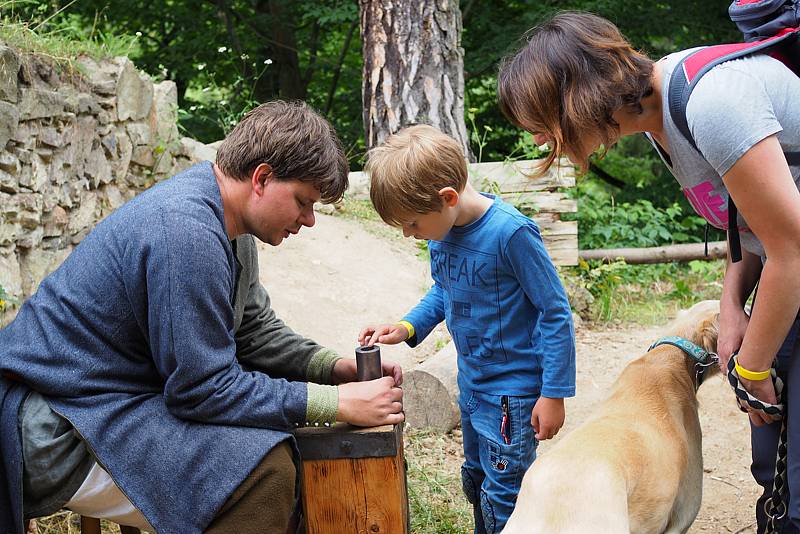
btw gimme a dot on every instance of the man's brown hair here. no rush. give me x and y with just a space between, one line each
293 139
409 169
575 71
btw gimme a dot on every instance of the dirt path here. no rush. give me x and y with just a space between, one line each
336 277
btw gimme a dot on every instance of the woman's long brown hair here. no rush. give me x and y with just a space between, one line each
575 71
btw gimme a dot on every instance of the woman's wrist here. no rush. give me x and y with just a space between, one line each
753 371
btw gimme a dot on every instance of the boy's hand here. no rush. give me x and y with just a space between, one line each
372 403
345 370
388 334
547 417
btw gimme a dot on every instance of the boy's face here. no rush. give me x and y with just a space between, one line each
434 225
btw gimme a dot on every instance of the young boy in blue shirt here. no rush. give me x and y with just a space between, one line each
502 300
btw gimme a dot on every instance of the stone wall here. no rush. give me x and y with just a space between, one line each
76 144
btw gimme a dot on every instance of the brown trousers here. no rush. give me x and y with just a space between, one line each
264 502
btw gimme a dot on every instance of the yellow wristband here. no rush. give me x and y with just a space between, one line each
750 375
409 327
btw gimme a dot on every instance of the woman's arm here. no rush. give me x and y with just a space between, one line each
740 279
762 186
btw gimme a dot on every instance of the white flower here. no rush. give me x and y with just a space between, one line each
222 49
192 108
205 89
267 61
138 34
201 66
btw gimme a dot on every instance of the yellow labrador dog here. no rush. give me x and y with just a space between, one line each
636 465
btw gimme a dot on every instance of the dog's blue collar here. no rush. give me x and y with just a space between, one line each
695 352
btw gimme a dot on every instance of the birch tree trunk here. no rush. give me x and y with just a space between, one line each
413 67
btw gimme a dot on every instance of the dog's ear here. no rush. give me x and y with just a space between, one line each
708 331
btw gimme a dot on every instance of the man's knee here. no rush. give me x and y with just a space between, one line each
264 501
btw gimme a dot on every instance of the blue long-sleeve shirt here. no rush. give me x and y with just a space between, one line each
504 304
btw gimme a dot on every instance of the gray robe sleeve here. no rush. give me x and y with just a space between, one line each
263 341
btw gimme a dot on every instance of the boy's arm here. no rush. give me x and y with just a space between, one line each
537 275
426 315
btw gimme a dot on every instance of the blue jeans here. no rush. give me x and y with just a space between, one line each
764 440
495 456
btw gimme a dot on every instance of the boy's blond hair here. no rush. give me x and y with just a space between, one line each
408 170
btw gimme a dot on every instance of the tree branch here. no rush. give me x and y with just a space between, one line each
338 71
312 59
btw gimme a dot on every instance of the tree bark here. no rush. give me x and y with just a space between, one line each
686 252
413 68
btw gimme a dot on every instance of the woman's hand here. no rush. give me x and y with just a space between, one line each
763 390
732 326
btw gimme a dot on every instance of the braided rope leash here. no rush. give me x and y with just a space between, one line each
775 507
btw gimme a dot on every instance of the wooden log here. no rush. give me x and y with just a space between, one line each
560 239
430 392
542 201
516 176
353 479
668 253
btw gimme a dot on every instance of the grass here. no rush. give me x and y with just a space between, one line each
437 503
59 37
66 522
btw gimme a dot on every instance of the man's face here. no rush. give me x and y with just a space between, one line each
280 209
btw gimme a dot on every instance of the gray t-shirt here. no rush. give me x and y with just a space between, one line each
732 108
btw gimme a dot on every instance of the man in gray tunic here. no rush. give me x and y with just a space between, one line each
155 365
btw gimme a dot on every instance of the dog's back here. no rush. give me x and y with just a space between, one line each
556 502
636 464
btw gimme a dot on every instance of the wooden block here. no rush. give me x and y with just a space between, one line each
353 480
90 525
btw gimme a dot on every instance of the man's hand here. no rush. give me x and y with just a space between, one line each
345 370
547 417
388 334
372 403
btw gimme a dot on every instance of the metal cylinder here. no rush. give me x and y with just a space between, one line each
368 363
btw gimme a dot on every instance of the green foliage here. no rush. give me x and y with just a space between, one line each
604 224
4 299
645 294
225 55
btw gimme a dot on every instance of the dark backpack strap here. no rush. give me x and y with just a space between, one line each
691 69
734 245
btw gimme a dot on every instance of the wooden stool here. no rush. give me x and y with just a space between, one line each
353 479
91 525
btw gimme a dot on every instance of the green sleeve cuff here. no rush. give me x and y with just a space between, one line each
323 404
321 366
